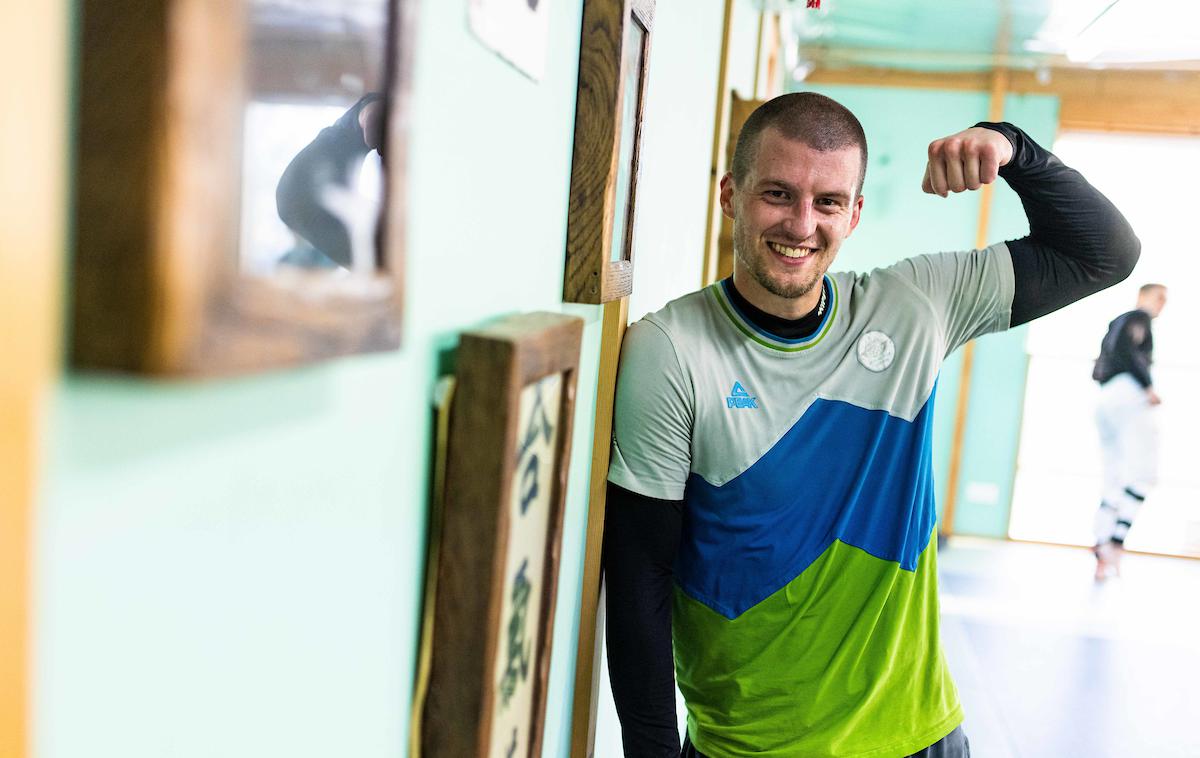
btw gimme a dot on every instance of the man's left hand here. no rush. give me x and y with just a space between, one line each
965 161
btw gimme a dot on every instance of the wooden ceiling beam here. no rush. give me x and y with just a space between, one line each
821 56
869 76
1165 102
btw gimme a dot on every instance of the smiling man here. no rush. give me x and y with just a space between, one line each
770 528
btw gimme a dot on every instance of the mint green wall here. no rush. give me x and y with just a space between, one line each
898 220
233 568
992 434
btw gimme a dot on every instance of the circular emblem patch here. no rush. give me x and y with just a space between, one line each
876 351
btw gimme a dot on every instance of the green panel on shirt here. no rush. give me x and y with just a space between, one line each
821 668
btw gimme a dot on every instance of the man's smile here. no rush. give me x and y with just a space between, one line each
791 252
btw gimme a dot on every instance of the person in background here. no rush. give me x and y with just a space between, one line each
1126 420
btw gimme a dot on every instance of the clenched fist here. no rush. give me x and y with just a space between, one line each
965 161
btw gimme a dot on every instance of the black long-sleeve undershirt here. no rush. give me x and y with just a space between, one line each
334 157
1078 244
641 539
1127 348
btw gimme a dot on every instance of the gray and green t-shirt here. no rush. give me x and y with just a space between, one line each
805 618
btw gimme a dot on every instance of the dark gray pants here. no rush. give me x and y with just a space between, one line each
953 745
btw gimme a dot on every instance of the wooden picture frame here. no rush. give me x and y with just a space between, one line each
160 279
613 66
501 528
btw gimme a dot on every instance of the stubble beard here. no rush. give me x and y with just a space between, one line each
756 267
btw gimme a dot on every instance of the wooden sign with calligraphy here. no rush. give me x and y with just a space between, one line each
497 572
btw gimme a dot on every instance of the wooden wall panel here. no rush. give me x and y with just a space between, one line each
33 53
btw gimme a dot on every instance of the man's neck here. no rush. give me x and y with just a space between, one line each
790 309
789 329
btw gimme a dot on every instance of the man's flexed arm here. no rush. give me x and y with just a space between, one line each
1078 242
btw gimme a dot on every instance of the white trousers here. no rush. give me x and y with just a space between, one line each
1129 455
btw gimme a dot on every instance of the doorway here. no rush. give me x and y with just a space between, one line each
1057 487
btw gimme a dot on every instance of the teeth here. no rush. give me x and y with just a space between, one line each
790 252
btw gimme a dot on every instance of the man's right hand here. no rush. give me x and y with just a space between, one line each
965 161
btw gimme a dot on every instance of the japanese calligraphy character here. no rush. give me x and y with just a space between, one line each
516 668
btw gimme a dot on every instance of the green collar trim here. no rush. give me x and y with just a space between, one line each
766 339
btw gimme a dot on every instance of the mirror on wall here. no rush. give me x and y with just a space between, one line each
240 188
312 181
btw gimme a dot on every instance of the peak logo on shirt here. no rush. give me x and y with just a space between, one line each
740 398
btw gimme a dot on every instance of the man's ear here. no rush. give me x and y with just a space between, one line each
727 195
855 213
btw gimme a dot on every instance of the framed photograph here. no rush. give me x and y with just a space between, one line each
240 187
501 528
613 63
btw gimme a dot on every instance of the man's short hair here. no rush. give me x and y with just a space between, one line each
820 122
1146 289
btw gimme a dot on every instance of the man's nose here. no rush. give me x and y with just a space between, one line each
801 223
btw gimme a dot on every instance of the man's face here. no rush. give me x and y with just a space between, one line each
790 216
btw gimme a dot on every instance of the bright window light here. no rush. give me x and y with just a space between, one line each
1058 468
1121 31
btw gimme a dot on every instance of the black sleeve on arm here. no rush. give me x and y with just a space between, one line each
334 157
1078 242
641 539
1128 351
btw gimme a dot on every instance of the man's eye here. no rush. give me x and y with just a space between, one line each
777 195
